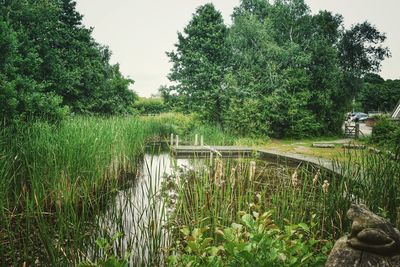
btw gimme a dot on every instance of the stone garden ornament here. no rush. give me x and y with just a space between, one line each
373 241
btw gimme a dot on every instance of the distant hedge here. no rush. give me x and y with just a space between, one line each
150 106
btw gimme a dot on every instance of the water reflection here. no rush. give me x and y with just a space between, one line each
137 213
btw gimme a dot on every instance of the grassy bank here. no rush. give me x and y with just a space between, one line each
55 176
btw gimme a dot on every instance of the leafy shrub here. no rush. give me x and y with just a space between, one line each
383 130
150 106
386 133
246 118
254 241
288 115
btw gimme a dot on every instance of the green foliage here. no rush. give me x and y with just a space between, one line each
108 259
377 94
361 50
382 130
288 115
273 49
50 65
200 61
246 118
57 176
150 106
254 241
386 133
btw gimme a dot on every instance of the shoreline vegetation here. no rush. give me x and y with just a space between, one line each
58 177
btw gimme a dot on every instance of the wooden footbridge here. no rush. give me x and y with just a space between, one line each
204 151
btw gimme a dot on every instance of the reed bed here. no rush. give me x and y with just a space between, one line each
214 194
217 194
55 177
80 193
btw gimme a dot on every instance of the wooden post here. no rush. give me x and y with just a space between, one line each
171 140
196 137
211 158
201 141
176 140
357 131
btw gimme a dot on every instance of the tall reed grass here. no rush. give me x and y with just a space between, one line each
54 177
213 194
66 187
372 179
213 197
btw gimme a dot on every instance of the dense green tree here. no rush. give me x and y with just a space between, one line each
377 94
23 94
200 62
292 72
361 50
50 64
8 51
272 54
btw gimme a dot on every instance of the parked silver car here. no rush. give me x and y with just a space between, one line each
359 117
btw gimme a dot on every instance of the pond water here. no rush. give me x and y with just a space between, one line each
138 215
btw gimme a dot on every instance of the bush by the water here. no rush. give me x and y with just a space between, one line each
255 240
386 133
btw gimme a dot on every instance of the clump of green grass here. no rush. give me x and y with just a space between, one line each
369 178
213 197
54 177
187 126
216 195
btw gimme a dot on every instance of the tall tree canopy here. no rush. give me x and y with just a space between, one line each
200 62
283 71
376 94
50 64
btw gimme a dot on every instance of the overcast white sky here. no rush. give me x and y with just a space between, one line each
140 31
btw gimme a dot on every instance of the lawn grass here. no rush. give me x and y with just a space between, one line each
305 147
